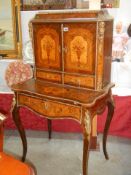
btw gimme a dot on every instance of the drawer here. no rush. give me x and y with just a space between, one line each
53 77
80 81
49 108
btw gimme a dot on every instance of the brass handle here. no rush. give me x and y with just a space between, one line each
27 100
46 106
65 49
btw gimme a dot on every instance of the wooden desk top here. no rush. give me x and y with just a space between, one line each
59 92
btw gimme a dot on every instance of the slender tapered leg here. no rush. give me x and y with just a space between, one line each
49 127
110 105
21 130
86 141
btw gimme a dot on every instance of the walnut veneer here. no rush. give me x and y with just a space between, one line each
72 72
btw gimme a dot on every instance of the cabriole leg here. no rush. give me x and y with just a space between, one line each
110 105
21 130
49 127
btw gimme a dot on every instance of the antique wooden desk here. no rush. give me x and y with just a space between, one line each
72 72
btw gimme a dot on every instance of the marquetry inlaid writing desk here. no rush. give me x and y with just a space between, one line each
72 51
55 101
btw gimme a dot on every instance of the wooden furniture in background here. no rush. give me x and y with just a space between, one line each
72 72
8 164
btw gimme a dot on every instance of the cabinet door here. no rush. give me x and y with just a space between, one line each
80 47
47 46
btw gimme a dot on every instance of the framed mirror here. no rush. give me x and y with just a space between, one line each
10 29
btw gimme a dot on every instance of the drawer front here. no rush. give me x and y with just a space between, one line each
79 81
50 108
53 77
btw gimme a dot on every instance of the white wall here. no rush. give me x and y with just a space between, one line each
26 16
3 85
124 12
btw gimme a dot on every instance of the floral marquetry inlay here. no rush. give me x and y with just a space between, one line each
79 50
48 48
80 45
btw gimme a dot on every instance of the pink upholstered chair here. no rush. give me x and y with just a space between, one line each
18 72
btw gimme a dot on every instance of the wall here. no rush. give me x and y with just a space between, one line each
3 85
124 12
26 16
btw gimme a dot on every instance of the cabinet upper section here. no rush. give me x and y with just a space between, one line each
64 16
70 48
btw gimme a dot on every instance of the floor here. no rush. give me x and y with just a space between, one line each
62 155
